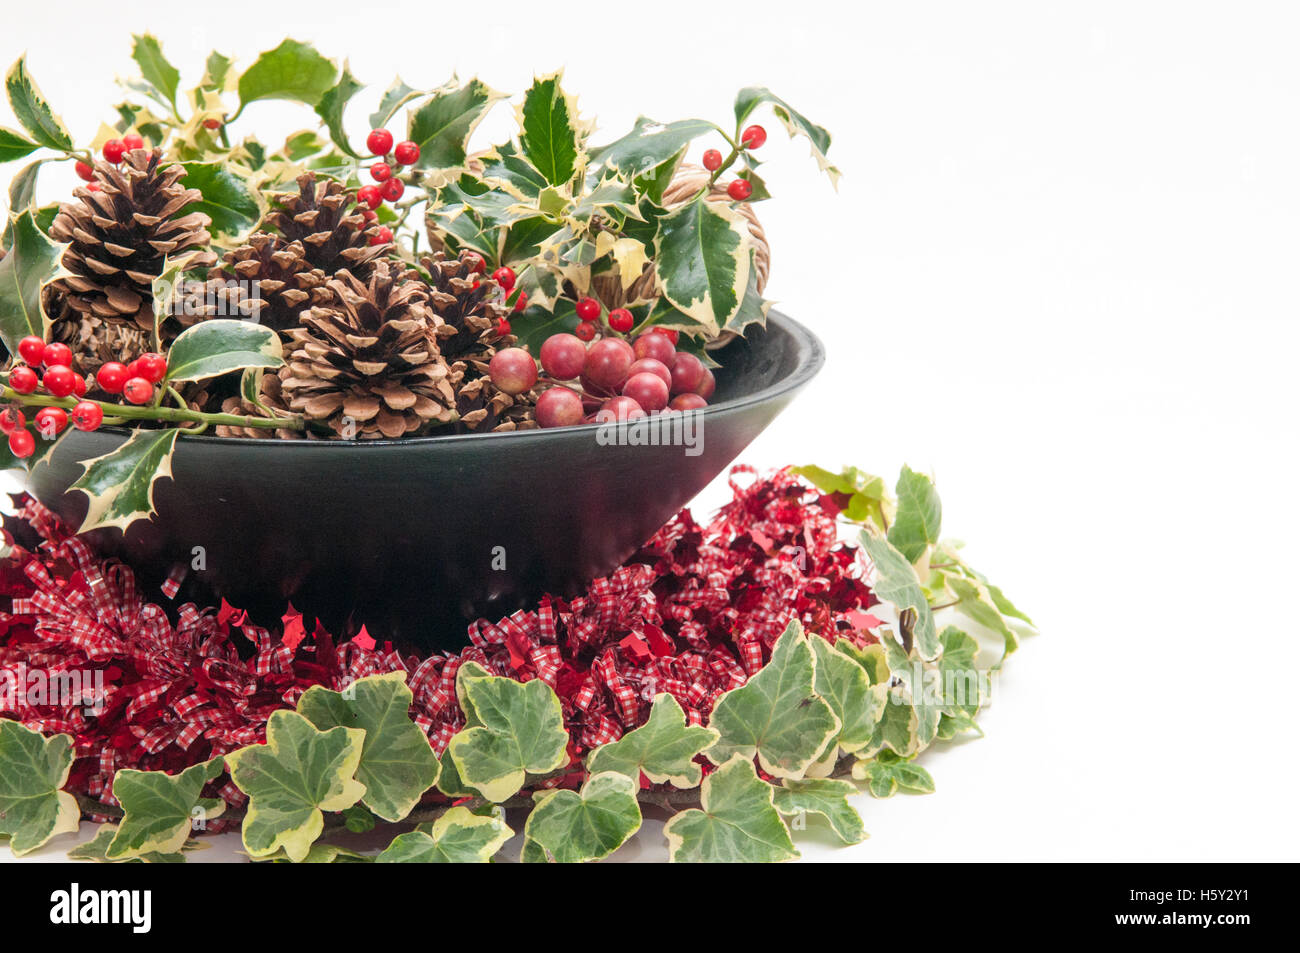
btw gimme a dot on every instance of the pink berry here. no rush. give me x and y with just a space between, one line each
656 347
687 370
563 356
648 365
707 384
688 402
618 409
558 407
608 362
513 370
648 390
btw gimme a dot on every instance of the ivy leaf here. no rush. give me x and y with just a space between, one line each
96 849
868 501
663 749
842 683
394 98
963 683
215 347
549 130
776 715
897 584
750 98
458 837
157 71
1005 605
737 822
119 484
32 111
397 764
158 809
827 797
14 145
33 768
898 728
293 71
950 726
886 773
975 602
918 685
512 729
573 827
291 779
702 261
319 854
920 514
227 199
33 259
331 106
442 124
650 144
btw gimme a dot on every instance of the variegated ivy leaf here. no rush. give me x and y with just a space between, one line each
159 809
293 71
33 769
950 726
457 837
868 501
650 144
886 773
702 258
14 145
842 682
573 827
737 821
550 132
299 773
663 749
976 603
119 484
512 729
96 849
397 764
896 583
750 98
334 102
776 715
921 682
215 347
827 797
319 854
32 260
963 683
920 515
32 111
442 124
157 71
227 198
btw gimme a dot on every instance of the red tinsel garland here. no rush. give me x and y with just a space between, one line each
693 614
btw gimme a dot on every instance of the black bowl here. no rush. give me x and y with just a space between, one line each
413 538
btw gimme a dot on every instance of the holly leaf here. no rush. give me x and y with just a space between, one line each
215 347
975 602
776 715
331 106
442 124
22 190
512 729
896 583
504 168
650 144
32 111
14 145
796 124
96 849
155 68
843 684
33 769
227 199
394 98
33 259
887 773
299 773
397 764
215 71
119 484
736 823
293 71
550 132
663 749
159 809
702 261
573 827
458 837
919 515
824 796
754 307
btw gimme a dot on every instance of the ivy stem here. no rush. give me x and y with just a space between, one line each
165 414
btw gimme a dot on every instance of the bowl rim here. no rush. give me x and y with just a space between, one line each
802 374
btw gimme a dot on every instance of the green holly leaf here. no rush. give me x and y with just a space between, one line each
573 827
331 106
33 768
842 682
976 603
32 260
215 347
736 823
397 764
887 773
159 809
442 124
32 111
457 837
750 98
96 849
119 484
14 145
215 71
702 261
827 797
227 198
512 729
299 773
292 71
897 584
663 749
920 514
776 715
550 132
650 144
394 98
157 71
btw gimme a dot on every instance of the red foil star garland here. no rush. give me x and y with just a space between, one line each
694 614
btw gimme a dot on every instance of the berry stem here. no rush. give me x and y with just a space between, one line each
166 414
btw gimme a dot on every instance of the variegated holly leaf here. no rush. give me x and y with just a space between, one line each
887 772
776 715
33 769
842 682
663 749
397 764
395 97
159 809
32 111
506 169
650 144
920 514
96 849
827 797
119 484
442 124
614 199
896 583
227 198
750 98
14 145
702 261
457 837
32 260
551 134
334 102
299 773
293 71
754 308
215 347
976 603
157 71
573 827
512 729
737 821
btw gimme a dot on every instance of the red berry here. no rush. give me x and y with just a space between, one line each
114 150
585 331
740 189
93 187
87 415
619 408
688 402
393 189
370 195
688 371
133 142
11 419
212 124
563 356
753 137
56 353
85 172
383 235
521 302
138 390
620 319
32 350
370 215
503 327
648 365
381 171
558 407
22 444
513 370
59 380
379 142
505 277
406 153
23 379
670 334
712 160
655 346
78 385
707 385
473 261
50 421
648 390
608 361
588 309
111 377
152 367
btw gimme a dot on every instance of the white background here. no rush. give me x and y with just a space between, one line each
1059 273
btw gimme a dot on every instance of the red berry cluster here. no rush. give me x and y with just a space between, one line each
752 138
58 380
115 149
388 186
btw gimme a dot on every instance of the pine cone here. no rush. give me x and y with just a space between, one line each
366 364
272 397
287 283
324 217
